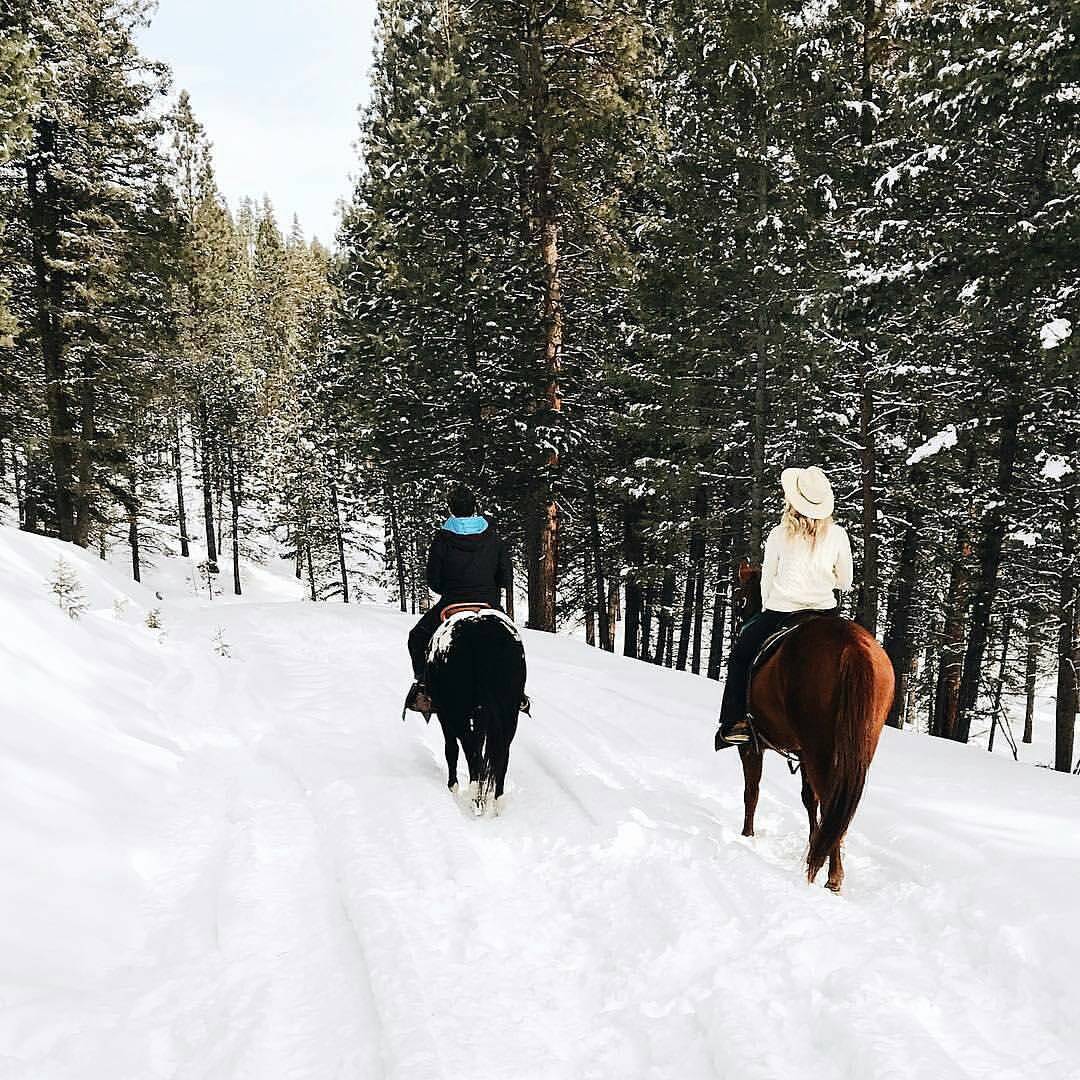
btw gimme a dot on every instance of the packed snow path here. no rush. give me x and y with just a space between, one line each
273 882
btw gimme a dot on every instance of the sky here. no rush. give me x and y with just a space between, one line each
277 86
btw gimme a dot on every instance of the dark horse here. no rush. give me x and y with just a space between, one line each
476 677
823 697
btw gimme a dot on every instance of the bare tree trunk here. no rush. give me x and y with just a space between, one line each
133 524
719 613
590 618
666 629
898 637
234 503
181 509
646 624
1068 651
1031 675
543 518
49 284
395 537
339 535
757 494
989 561
868 591
632 559
16 473
310 569
951 658
613 608
999 686
208 491
605 624
687 614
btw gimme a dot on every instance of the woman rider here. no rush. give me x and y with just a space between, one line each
807 556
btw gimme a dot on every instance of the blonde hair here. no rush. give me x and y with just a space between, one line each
796 524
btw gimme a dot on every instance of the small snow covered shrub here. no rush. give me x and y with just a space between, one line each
65 586
119 607
153 619
221 646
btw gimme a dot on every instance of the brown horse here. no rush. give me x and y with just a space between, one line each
823 697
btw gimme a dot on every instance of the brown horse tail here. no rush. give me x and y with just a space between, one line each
852 751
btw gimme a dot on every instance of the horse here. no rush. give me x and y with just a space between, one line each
821 697
475 676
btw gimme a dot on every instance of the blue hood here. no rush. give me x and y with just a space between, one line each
466 526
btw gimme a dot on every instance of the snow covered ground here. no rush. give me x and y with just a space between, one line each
245 867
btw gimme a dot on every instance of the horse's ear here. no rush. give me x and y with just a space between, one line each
746 571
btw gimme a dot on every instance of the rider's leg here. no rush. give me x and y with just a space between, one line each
420 638
732 718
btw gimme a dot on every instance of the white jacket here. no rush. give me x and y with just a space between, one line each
795 575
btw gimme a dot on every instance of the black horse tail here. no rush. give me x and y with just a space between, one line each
490 726
853 747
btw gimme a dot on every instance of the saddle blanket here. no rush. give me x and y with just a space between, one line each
443 636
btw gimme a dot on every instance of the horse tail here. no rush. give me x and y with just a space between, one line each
853 747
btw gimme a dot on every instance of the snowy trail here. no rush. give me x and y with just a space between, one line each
312 903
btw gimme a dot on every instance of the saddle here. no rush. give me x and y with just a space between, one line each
764 654
457 609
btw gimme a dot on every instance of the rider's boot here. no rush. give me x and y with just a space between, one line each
418 700
733 733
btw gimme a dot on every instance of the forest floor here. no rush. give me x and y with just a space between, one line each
245 867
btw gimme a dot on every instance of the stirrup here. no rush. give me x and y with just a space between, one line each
418 700
739 733
526 705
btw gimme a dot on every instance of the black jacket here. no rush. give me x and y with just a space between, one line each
468 568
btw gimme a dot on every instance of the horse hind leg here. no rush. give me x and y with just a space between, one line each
451 759
810 801
751 764
836 870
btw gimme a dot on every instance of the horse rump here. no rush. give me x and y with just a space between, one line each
477 681
860 718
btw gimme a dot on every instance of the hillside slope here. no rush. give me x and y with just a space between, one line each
245 867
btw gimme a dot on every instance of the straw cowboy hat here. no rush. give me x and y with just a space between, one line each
808 491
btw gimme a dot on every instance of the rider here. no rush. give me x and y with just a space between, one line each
807 556
467 563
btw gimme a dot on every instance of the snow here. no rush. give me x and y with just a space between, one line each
1055 467
247 868
1053 333
943 440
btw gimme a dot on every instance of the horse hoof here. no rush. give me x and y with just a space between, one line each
498 806
833 887
454 785
478 808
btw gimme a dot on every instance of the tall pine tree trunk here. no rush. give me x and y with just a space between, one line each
395 539
632 560
133 524
1031 675
687 613
604 622
589 600
667 618
543 517
339 536
181 508
719 618
49 279
867 614
207 490
951 657
898 636
986 585
234 503
1068 653
999 685
84 483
